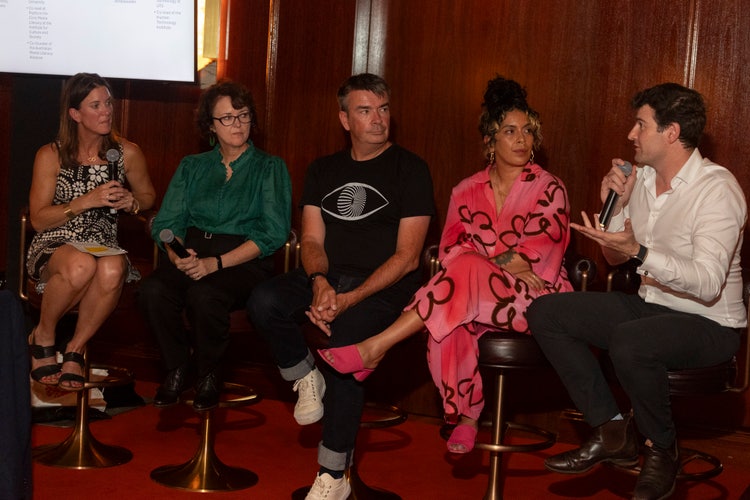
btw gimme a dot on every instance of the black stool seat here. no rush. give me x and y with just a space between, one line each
709 380
510 351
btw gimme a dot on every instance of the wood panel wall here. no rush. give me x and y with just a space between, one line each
580 60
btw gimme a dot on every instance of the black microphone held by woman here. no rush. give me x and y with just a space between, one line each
167 237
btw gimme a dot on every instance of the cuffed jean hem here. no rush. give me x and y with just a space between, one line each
333 460
299 370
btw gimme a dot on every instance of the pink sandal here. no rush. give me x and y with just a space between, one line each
462 439
346 359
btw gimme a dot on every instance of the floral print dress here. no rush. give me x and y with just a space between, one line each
96 225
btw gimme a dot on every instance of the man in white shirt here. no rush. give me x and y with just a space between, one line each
681 217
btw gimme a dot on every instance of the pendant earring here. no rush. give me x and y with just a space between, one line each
531 158
491 158
212 140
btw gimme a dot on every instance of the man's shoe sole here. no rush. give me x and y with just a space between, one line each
621 462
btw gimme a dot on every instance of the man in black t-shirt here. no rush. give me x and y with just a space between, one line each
365 215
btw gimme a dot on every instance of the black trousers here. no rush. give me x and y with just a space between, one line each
168 298
643 341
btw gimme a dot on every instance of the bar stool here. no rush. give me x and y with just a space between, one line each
81 450
205 472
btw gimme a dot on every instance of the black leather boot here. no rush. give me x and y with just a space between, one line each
658 473
170 390
614 441
207 392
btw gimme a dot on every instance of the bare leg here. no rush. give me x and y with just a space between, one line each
74 278
64 273
373 349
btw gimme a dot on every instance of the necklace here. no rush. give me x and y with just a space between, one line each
91 158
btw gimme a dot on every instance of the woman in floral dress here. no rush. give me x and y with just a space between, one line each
73 205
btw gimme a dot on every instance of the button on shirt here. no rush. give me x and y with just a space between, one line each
694 234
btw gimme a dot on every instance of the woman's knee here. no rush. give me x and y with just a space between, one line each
205 298
77 268
111 272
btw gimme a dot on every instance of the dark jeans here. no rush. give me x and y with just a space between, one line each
277 308
167 297
643 340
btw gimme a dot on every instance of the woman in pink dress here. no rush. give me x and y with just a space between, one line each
502 246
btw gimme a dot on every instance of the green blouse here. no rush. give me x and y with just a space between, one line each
255 202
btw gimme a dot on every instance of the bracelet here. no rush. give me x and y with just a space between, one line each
219 264
69 212
137 208
312 277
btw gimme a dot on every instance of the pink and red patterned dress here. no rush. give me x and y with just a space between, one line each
471 294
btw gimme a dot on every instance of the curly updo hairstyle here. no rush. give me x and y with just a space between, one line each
501 97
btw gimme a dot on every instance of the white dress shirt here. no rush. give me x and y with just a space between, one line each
693 233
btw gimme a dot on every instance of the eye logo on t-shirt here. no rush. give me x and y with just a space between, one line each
353 201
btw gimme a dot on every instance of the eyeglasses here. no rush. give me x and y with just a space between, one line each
228 120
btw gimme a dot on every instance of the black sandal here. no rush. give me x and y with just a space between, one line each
72 377
42 352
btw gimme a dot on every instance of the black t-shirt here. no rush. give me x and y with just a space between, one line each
362 203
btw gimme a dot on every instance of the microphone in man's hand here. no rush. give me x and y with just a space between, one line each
113 158
167 237
609 204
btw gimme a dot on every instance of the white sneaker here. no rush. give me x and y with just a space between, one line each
310 389
326 487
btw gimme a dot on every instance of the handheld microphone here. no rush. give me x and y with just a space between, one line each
113 158
167 237
609 204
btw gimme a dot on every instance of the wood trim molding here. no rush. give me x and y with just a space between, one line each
370 25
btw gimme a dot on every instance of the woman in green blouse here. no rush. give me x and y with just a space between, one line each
230 208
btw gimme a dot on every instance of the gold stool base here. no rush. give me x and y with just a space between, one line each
205 472
81 450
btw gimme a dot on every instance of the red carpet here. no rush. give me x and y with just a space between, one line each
409 459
